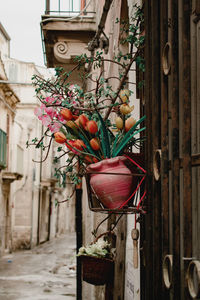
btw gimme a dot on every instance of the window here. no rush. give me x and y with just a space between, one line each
3 148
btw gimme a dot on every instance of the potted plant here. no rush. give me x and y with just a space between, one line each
97 262
92 140
94 126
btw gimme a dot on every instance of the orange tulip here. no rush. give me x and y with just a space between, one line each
94 143
60 137
79 144
67 114
77 122
92 127
83 120
70 142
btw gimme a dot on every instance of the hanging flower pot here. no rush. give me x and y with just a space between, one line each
97 270
108 183
97 260
116 183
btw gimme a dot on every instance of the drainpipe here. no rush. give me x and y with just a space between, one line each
79 237
39 196
49 216
32 208
39 200
79 241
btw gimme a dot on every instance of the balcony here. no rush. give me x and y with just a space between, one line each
67 27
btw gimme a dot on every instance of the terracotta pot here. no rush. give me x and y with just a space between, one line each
111 189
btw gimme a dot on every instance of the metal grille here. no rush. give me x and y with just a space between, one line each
3 148
63 7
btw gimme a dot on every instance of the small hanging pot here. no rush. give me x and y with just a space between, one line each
97 270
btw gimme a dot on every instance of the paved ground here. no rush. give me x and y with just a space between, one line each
46 272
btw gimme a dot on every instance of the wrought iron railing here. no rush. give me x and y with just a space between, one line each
64 7
3 148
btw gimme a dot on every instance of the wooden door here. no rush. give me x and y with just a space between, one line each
170 244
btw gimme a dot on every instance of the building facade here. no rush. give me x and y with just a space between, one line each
32 212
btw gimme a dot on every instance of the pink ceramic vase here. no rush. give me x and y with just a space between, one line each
111 190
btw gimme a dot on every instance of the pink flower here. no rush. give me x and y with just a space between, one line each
51 112
46 120
47 115
55 127
60 118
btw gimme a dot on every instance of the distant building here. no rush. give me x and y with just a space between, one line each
31 213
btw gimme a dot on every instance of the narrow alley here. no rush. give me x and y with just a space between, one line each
43 273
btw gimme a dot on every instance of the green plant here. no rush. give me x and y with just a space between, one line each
100 248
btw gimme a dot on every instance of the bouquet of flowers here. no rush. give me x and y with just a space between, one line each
82 130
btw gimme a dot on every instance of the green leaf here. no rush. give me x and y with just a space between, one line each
87 144
104 137
115 142
127 141
128 136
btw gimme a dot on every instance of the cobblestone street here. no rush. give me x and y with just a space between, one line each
46 272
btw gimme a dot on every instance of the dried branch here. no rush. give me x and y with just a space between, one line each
120 85
46 153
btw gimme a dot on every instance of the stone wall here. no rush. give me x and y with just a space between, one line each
128 289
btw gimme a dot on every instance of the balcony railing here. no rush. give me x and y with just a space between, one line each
3 148
64 7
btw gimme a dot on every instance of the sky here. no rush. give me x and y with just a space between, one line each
21 19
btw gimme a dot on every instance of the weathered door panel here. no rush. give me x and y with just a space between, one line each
172 104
